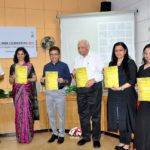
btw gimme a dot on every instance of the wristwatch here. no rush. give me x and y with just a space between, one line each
122 89
65 81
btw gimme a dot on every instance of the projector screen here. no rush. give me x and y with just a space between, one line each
102 30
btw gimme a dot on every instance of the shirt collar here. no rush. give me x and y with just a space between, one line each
56 63
88 55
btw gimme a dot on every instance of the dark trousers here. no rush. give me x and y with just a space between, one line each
89 107
125 137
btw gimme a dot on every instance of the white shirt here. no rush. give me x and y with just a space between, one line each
93 63
1 71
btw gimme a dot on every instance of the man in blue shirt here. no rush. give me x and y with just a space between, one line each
57 97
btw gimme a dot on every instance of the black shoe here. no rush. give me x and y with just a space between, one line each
82 142
96 144
118 147
125 149
53 138
60 140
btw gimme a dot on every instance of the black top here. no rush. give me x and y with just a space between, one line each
143 72
122 104
130 75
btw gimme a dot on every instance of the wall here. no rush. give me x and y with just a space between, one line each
142 32
42 15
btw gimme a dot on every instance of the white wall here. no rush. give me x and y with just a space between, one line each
142 36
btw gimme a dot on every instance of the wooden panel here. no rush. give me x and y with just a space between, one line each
2 16
103 111
89 6
35 18
43 122
34 4
2 3
73 5
7 114
12 17
52 5
72 117
50 19
15 3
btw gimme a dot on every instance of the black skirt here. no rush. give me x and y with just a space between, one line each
142 129
121 110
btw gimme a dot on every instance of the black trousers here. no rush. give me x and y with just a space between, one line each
89 107
125 137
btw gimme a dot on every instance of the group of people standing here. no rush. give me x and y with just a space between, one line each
122 101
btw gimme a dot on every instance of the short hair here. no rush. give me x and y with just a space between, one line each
26 59
54 48
86 42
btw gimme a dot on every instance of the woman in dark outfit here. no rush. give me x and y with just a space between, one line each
142 128
122 99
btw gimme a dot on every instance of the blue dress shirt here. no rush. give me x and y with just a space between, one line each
62 69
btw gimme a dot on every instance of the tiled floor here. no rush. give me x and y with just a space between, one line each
39 142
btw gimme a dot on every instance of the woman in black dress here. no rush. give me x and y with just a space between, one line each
122 99
142 128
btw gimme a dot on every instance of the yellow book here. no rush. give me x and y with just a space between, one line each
143 89
21 74
51 80
81 76
111 76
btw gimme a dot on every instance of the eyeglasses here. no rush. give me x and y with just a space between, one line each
54 54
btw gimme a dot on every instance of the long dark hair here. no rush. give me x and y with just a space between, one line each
26 59
146 46
114 59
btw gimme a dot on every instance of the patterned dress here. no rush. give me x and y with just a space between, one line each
23 97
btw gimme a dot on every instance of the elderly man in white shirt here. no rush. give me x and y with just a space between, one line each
89 97
1 73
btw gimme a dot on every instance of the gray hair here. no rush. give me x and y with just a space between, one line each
86 42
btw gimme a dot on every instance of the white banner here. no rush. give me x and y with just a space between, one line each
13 37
